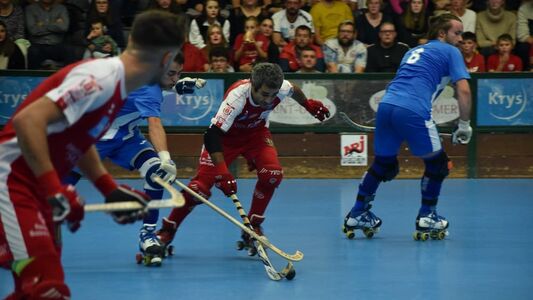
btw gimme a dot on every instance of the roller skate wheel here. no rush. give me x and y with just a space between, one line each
441 235
350 234
240 245
139 258
152 261
290 275
344 229
424 236
369 233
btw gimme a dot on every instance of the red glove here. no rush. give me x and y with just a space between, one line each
316 109
65 202
224 180
121 193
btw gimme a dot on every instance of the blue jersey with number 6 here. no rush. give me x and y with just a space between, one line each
424 72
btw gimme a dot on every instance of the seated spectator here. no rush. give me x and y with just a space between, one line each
504 60
307 59
467 16
440 7
345 54
492 23
210 16
290 53
266 29
100 10
286 21
327 15
386 55
13 17
219 61
47 22
413 24
215 39
524 32
100 44
474 61
166 5
194 59
241 13
398 6
11 56
369 22
250 47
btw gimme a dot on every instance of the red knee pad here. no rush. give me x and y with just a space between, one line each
270 176
200 188
46 290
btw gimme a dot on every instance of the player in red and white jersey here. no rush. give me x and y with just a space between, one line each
53 130
240 127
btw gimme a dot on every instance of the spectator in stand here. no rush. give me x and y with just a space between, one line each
345 54
47 22
504 60
100 10
413 24
250 47
398 6
100 44
290 53
327 15
166 5
369 22
195 61
474 61
286 21
241 13
215 39
492 23
467 16
11 56
266 28
210 16
440 7
524 32
385 55
307 60
219 61
13 18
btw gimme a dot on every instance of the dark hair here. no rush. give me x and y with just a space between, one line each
179 58
303 27
267 74
505 37
155 28
346 22
441 23
7 47
467 35
218 52
306 48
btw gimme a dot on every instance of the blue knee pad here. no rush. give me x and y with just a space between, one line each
437 168
384 168
148 163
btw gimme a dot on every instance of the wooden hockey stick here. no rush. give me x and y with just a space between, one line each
297 256
176 200
364 128
288 272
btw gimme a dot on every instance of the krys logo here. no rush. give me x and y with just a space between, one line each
193 107
12 93
506 105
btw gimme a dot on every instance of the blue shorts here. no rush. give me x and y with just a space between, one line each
396 124
123 152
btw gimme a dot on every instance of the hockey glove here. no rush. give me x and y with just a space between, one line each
316 109
224 180
167 169
462 133
187 85
125 193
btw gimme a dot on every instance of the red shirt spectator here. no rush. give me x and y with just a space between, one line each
476 63
250 54
290 53
513 65
195 60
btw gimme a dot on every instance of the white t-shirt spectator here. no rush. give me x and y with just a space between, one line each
287 29
346 61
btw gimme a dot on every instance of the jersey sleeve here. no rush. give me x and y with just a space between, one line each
83 91
457 66
230 108
148 101
286 90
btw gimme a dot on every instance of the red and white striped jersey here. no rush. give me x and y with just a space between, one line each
90 94
237 114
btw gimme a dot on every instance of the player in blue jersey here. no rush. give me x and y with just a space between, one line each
404 114
126 146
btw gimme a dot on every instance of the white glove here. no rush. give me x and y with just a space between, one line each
167 169
186 85
462 132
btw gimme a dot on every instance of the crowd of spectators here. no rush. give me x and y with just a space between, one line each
334 36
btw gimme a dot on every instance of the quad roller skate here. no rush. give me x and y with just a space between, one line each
247 241
150 247
430 226
367 221
166 235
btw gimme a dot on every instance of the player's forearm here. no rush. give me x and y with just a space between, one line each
298 95
157 134
91 165
464 99
33 143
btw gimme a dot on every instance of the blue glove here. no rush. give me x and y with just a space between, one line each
188 84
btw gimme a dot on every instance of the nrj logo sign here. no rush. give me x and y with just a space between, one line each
505 105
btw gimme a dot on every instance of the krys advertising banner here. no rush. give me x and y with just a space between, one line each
505 102
13 90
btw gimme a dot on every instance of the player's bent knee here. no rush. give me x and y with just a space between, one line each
201 188
384 168
270 176
437 167
48 289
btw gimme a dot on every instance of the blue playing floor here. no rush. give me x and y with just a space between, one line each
488 254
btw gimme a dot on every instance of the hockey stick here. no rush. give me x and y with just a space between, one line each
297 256
364 128
176 200
288 272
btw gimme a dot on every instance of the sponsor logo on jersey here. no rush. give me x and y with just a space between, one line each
85 88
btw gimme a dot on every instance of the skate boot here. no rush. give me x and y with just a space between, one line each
166 235
247 241
150 247
430 226
366 221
